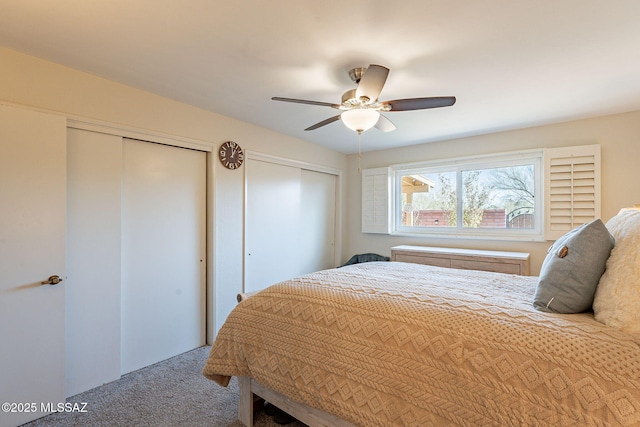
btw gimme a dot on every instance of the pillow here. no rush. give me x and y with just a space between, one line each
617 299
572 268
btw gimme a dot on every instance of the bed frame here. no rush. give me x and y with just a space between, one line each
249 388
310 416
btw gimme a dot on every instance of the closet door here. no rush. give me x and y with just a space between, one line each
163 252
272 224
317 221
94 212
290 220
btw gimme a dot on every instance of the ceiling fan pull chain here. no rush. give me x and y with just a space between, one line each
359 151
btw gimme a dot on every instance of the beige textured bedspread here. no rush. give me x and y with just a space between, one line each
390 344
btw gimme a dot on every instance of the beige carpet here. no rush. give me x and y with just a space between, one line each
169 393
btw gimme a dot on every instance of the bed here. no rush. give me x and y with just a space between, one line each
399 344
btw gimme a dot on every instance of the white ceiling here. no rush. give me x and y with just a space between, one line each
510 63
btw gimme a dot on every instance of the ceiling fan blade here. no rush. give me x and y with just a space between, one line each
384 124
371 83
421 103
324 122
304 101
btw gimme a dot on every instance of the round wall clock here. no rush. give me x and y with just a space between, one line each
231 155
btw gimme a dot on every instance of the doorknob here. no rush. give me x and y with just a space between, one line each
53 280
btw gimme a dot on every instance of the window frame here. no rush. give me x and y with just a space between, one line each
457 165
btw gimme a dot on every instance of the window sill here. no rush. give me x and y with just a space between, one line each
529 237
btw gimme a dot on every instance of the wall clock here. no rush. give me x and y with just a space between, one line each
231 155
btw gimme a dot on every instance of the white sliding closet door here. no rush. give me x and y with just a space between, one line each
271 224
94 212
290 220
163 252
317 221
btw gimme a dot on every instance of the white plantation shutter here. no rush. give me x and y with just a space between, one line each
572 188
376 200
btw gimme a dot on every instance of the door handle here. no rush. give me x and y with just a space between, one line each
52 280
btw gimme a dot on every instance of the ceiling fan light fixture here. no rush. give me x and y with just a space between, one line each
360 119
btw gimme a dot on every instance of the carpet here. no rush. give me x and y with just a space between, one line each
169 393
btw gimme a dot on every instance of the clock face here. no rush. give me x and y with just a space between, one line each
231 155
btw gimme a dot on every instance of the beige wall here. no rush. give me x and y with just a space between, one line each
36 83
619 136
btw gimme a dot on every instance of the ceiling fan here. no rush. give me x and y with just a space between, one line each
361 109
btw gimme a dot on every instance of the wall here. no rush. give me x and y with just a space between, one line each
37 83
618 135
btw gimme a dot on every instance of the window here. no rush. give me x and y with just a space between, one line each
532 195
474 197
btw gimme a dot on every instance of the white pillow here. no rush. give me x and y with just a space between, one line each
617 299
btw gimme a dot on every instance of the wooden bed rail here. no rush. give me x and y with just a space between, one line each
310 416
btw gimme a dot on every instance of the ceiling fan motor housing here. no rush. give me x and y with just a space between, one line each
356 74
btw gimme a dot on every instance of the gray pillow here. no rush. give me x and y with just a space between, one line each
572 268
